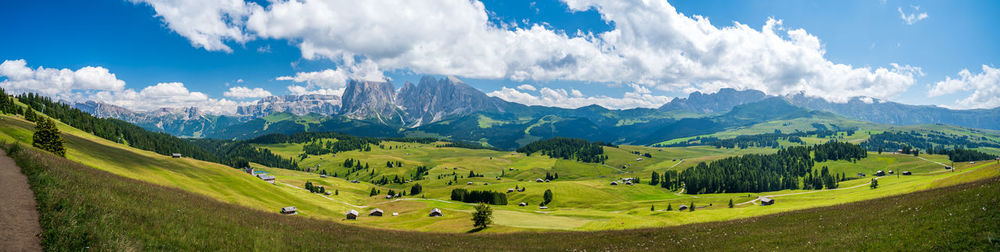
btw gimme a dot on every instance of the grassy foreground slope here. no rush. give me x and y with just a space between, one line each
85 207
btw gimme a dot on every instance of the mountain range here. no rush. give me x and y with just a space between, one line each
450 108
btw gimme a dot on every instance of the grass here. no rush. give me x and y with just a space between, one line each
584 200
82 207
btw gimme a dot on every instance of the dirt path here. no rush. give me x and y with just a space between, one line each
20 229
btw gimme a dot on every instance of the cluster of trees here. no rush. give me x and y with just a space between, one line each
416 189
111 129
779 171
964 155
891 141
420 172
468 145
385 181
760 140
475 196
643 154
473 174
823 179
749 173
835 150
316 145
568 148
391 164
551 176
314 188
669 180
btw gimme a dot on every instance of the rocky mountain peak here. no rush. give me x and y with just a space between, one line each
370 99
295 104
723 100
434 99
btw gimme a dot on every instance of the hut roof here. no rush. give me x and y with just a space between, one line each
288 209
766 199
376 210
352 212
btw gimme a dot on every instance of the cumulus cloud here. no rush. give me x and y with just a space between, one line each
99 84
330 80
166 95
245 92
638 97
57 83
652 45
301 90
527 87
913 17
205 23
985 87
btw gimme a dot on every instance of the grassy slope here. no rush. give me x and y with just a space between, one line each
110 212
584 200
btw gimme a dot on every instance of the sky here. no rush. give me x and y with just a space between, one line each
217 55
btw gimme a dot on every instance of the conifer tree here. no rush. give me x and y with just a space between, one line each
47 137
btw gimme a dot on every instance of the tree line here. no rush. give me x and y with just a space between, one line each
111 129
476 196
771 172
568 148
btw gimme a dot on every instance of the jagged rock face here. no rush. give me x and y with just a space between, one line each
371 99
432 100
295 104
719 102
184 122
104 110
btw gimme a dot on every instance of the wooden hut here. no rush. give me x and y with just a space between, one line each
522 204
682 208
289 210
765 201
907 173
436 213
176 155
351 215
375 212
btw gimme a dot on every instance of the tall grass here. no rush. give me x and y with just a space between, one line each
85 208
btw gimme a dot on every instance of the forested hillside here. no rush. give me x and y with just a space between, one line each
111 129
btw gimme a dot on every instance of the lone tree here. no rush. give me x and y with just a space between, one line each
730 203
874 183
691 209
483 216
547 197
670 207
47 137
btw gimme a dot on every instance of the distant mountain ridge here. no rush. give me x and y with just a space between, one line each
449 108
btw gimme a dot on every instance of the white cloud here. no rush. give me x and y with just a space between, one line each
99 84
166 95
57 83
985 87
652 45
329 80
300 90
527 87
205 23
245 92
913 17
639 97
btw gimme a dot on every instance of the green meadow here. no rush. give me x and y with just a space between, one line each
584 199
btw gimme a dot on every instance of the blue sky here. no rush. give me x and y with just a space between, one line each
558 48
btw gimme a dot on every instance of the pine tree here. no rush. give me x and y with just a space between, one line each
47 137
730 203
547 197
483 216
670 207
691 208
